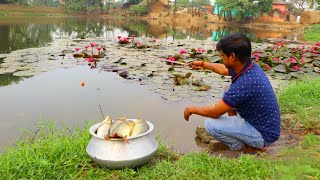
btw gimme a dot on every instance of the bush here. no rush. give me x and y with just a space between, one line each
139 10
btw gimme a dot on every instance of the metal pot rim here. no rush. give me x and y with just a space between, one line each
94 127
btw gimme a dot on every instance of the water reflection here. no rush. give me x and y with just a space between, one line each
21 33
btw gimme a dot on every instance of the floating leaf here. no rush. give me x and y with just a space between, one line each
316 63
316 69
280 68
282 76
205 87
171 69
188 75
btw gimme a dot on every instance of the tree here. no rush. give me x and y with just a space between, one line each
301 5
242 10
314 4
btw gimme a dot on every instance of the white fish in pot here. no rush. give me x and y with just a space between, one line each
141 126
115 124
122 130
103 129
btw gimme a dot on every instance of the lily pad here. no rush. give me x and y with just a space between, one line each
280 68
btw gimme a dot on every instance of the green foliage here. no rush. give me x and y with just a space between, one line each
139 10
301 162
303 99
312 33
75 6
242 10
185 3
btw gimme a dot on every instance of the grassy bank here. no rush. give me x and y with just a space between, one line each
60 154
301 99
18 10
312 33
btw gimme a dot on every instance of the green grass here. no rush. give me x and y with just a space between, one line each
60 154
312 33
302 98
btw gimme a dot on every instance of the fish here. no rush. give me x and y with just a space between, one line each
115 124
103 129
123 130
141 126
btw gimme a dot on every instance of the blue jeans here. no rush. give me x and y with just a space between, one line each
234 131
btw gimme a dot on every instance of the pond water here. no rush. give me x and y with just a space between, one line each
57 95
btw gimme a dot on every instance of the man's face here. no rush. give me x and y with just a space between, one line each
227 60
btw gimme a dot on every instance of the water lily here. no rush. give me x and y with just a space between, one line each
77 49
268 67
182 51
296 67
318 44
302 61
99 49
86 47
92 44
154 40
171 59
119 37
90 59
276 59
292 60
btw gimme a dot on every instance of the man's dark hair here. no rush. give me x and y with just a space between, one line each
236 43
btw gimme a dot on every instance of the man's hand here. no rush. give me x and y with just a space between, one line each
196 65
187 113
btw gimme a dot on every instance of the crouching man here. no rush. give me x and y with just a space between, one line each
253 120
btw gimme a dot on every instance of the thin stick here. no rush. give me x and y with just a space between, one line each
101 111
180 63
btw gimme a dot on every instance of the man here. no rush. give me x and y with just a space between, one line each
254 118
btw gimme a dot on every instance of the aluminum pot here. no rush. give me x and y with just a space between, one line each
116 153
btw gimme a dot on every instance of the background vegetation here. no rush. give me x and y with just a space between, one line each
312 33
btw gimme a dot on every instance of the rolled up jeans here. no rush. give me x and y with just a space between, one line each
234 131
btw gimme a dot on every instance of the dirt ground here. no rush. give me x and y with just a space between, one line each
288 138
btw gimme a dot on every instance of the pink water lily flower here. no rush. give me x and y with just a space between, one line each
292 60
276 59
77 49
302 61
268 67
86 47
90 59
182 51
296 67
92 44
154 40
119 37
318 44
138 43
99 49
171 59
